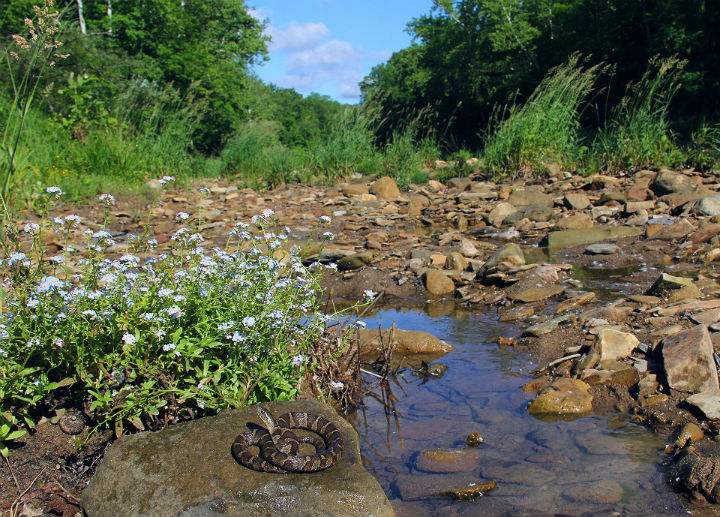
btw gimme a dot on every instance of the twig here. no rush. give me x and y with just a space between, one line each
556 362
17 485
16 502
363 370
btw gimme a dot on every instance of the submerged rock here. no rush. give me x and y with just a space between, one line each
570 238
469 491
188 469
448 460
563 396
405 342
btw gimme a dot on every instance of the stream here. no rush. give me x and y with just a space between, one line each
598 464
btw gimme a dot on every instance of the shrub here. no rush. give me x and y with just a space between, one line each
150 338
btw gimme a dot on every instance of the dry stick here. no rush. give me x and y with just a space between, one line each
17 485
556 362
17 501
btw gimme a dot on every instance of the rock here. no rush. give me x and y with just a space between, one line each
516 313
666 283
460 183
385 188
448 460
708 205
355 261
633 207
706 318
456 261
604 491
672 231
607 197
467 248
406 342
602 249
437 283
668 182
354 189
569 238
474 439
550 325
708 402
614 344
510 255
574 222
188 469
563 396
697 470
521 199
690 433
469 491
688 361
611 372
500 212
535 294
577 201
538 212
460 223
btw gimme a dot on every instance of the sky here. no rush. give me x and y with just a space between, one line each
328 46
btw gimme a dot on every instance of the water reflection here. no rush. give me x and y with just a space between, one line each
597 464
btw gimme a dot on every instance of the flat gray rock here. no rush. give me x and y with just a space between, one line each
188 469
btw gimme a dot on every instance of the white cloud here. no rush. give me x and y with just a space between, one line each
260 13
296 36
333 53
350 90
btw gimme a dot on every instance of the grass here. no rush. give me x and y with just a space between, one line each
637 133
524 137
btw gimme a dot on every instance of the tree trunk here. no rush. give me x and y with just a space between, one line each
81 17
109 15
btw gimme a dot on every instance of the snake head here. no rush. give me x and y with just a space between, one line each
267 418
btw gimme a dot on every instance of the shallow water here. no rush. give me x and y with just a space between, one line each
592 465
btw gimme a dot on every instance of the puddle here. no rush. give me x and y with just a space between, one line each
610 283
593 465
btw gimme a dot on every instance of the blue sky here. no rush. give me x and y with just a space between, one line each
328 46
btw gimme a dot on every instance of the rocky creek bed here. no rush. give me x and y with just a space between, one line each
607 284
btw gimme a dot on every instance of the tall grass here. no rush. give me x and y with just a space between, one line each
637 134
545 128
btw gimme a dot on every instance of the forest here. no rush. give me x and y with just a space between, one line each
97 95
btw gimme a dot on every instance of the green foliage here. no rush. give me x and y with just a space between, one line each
704 152
8 431
154 337
348 147
545 128
406 154
637 134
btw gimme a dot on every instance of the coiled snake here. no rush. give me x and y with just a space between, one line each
279 445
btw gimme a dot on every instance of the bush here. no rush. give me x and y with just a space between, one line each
150 338
348 147
545 128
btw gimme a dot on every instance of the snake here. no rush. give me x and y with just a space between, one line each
278 445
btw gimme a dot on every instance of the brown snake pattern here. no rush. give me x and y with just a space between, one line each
279 445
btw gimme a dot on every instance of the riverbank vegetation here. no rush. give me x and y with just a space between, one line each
138 90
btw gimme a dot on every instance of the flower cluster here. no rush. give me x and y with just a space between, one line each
158 334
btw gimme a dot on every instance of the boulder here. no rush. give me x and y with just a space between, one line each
708 402
708 205
385 188
355 261
614 344
406 342
577 201
602 248
354 189
438 283
521 199
498 214
187 469
688 361
510 255
535 294
668 182
574 222
697 471
563 396
671 232
666 283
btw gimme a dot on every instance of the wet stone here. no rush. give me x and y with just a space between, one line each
535 294
469 491
688 361
708 402
448 460
602 249
563 396
604 491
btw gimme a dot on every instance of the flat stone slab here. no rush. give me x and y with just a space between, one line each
688 360
569 238
188 469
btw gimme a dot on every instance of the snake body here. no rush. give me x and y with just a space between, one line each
279 445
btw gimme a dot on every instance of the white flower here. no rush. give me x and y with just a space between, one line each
336 385
108 199
249 321
49 282
166 179
31 228
299 360
369 294
73 219
325 219
267 213
182 216
58 342
328 235
129 339
54 190
168 346
360 324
